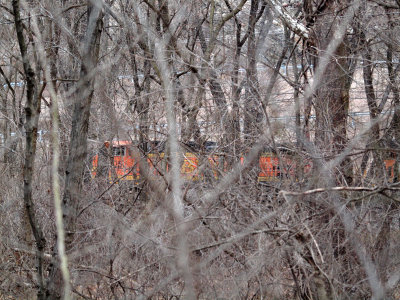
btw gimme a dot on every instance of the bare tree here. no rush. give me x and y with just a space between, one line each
32 112
78 144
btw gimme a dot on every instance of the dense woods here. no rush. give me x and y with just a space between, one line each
314 83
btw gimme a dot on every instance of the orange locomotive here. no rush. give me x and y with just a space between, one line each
126 167
195 165
392 169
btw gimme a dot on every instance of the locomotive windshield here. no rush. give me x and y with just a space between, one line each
119 151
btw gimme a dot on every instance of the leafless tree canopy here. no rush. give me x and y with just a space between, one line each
310 87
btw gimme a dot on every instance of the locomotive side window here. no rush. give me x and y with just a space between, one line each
119 151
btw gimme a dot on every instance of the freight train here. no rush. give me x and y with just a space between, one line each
197 163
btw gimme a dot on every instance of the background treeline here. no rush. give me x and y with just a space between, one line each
317 77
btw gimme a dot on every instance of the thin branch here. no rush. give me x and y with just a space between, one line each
72 7
7 81
340 188
293 24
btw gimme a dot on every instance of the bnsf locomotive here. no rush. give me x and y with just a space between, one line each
197 163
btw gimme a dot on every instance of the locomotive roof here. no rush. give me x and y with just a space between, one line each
278 148
159 146
208 146
121 143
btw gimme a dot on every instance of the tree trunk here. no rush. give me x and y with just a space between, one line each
332 96
252 115
78 145
32 112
